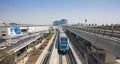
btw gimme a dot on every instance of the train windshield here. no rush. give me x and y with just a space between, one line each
64 40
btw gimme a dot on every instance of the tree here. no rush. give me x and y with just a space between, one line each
95 24
89 24
92 24
103 25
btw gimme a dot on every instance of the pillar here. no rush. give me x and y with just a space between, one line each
109 57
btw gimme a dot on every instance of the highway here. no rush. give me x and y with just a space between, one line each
18 43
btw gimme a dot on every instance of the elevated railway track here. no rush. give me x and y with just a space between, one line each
101 41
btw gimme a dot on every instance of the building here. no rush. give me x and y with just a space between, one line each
63 21
7 30
60 22
56 23
14 30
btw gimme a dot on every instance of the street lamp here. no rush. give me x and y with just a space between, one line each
86 22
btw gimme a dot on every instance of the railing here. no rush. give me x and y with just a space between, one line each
111 33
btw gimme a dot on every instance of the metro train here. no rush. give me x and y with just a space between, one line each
63 44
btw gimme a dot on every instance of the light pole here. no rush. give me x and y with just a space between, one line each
86 57
112 29
86 22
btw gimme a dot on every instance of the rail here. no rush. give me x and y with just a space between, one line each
70 58
60 59
87 58
67 58
45 56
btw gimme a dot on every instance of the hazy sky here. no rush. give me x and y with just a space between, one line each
46 11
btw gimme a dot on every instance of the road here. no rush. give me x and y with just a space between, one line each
22 41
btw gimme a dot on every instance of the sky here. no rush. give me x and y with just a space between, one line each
44 12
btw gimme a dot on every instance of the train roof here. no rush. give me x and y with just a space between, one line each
62 34
60 29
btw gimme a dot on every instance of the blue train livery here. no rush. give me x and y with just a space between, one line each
63 44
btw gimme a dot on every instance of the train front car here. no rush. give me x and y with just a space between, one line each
63 43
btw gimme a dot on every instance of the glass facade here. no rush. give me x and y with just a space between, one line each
60 22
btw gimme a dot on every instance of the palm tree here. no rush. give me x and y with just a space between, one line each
92 24
95 24
102 24
89 24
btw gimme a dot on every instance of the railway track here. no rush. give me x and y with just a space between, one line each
87 58
60 59
48 54
47 57
68 58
